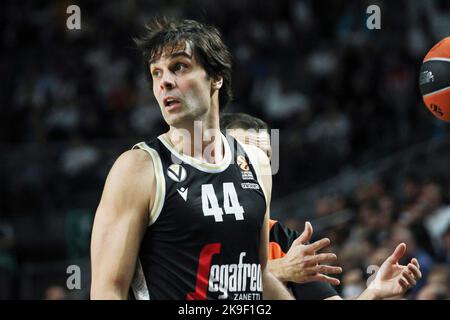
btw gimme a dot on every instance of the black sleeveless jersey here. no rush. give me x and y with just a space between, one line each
204 234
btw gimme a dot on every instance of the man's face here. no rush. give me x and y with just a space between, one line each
431 194
260 139
181 86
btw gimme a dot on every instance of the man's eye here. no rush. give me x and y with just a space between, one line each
180 66
156 73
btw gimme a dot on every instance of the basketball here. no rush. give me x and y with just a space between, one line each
435 80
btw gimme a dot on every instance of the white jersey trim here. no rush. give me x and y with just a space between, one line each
139 284
437 59
202 166
160 181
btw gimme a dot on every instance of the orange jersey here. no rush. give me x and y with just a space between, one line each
280 239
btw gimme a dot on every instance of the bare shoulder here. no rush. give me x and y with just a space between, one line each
131 180
133 161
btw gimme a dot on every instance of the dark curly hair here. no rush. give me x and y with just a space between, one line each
164 35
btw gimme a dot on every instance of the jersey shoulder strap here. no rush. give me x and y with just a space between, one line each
159 177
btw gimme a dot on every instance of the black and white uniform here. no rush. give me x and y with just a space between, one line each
204 234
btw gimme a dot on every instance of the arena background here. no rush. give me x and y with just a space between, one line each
360 155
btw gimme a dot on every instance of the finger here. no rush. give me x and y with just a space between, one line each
415 271
319 244
321 258
403 283
323 278
327 269
415 262
306 234
398 253
409 277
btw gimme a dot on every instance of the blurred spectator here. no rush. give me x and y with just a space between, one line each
437 213
413 250
78 226
331 132
446 246
353 284
410 191
353 255
78 157
378 257
277 101
324 207
440 274
387 212
294 224
433 291
55 293
8 263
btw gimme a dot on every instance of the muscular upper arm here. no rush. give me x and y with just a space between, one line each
261 163
120 222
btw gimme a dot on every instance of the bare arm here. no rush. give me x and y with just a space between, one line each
302 263
120 222
393 279
272 287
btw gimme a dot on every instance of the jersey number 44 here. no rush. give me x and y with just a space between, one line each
231 204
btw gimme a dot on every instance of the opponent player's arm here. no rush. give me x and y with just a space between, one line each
272 287
303 262
392 279
120 223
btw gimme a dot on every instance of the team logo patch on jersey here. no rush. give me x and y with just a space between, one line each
242 163
183 193
248 185
176 172
247 175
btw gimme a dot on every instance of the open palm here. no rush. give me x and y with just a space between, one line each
394 279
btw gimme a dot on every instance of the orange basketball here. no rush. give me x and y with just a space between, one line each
435 80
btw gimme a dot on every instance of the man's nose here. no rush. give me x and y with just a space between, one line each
167 82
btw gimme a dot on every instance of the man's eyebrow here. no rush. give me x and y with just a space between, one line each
175 55
181 53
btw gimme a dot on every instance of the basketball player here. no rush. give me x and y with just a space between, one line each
289 253
178 218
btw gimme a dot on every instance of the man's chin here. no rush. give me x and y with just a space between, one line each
180 120
183 118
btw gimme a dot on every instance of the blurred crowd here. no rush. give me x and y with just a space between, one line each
341 95
413 209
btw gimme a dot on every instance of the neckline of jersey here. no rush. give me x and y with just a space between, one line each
200 165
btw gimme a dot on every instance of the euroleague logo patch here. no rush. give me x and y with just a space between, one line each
242 163
245 169
176 172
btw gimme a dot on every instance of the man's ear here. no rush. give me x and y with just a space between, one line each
217 82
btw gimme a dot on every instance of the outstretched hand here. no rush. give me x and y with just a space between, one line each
394 279
303 264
